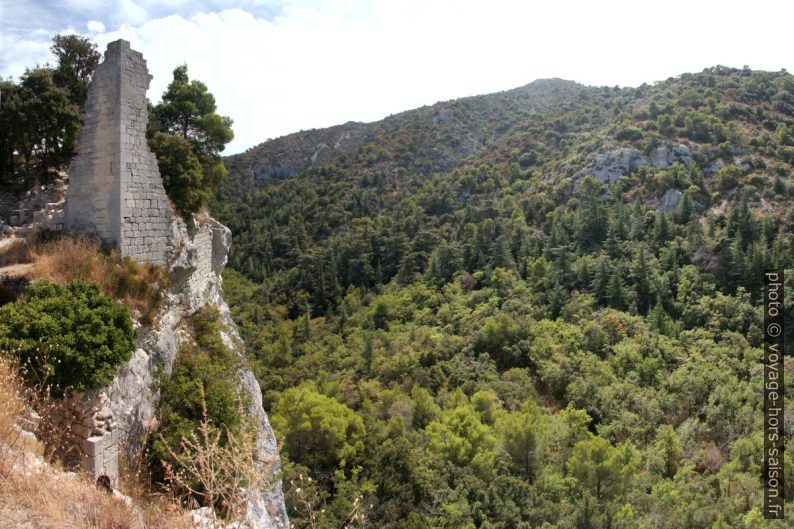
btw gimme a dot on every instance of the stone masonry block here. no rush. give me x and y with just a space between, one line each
93 446
93 465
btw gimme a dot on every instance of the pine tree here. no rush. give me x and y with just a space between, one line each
642 286
558 298
637 222
659 319
612 245
661 229
669 447
685 209
616 295
737 262
502 257
601 281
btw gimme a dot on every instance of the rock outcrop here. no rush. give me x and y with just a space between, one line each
116 192
670 200
132 397
610 166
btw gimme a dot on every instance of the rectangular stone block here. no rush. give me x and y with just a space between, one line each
93 465
93 446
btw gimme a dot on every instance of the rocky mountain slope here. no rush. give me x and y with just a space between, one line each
490 294
549 134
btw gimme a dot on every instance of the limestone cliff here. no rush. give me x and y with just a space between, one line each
115 191
131 399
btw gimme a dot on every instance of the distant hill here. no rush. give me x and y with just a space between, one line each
546 134
434 138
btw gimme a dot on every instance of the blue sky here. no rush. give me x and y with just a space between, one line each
279 66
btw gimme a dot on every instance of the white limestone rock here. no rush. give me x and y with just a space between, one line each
610 166
670 200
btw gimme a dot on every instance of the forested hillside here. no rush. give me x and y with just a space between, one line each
537 308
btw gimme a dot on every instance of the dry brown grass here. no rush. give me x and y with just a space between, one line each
11 408
35 494
70 258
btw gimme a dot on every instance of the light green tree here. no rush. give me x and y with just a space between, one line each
522 436
459 435
600 468
319 432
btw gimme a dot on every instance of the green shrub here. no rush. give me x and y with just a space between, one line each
69 336
728 177
209 366
527 159
629 134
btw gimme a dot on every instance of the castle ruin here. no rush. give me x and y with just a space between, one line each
115 189
116 192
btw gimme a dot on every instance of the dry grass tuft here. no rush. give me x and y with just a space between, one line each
11 409
81 258
34 494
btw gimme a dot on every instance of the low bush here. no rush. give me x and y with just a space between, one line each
69 336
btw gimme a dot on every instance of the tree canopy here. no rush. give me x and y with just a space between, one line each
41 113
187 135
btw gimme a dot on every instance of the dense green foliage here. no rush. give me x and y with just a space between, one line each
187 136
525 345
40 115
321 431
206 367
67 336
201 392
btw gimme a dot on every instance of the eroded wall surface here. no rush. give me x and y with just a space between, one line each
115 189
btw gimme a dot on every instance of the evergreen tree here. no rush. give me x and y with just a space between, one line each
669 447
642 285
77 58
661 229
637 222
185 126
659 318
49 121
685 209
615 292
558 297
601 281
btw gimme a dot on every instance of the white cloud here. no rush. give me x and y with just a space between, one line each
321 63
95 26
131 13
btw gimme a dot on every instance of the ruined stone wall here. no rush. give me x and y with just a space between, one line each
115 188
89 433
115 191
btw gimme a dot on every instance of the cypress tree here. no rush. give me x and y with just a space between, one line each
601 281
